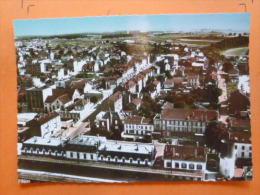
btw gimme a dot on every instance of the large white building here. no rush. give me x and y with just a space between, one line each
137 127
184 122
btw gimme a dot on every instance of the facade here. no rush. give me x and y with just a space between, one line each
84 147
116 101
36 97
185 158
183 122
137 127
127 153
44 147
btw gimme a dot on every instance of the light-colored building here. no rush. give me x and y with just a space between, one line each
137 127
127 153
184 122
185 158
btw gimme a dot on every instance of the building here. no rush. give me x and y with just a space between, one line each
127 153
137 127
116 101
47 125
184 122
84 147
238 102
193 80
109 120
242 144
185 158
36 97
44 147
168 83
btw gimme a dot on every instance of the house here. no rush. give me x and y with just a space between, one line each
186 158
136 103
184 122
47 124
242 144
168 83
115 101
236 156
193 80
238 102
167 105
157 86
239 124
36 97
61 99
109 120
136 127
24 130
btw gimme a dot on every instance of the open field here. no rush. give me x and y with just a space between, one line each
235 51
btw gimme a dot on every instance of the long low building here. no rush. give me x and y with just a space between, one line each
92 148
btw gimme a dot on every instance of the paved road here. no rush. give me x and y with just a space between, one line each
241 51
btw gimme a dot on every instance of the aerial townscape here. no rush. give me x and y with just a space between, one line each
131 106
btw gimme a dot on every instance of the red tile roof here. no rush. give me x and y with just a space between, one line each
186 153
240 137
189 114
137 120
47 117
116 96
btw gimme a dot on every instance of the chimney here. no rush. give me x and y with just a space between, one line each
196 153
173 151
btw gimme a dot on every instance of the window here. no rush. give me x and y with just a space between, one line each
109 158
250 148
242 154
116 159
71 155
177 165
138 161
91 157
191 166
243 147
168 164
84 156
102 158
131 160
250 155
235 146
199 167
184 165
123 159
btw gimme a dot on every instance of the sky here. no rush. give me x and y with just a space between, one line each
176 22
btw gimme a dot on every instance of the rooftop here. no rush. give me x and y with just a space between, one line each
189 114
128 147
188 153
87 140
137 120
44 141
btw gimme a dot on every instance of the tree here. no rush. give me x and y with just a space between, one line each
94 99
215 132
227 66
179 104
